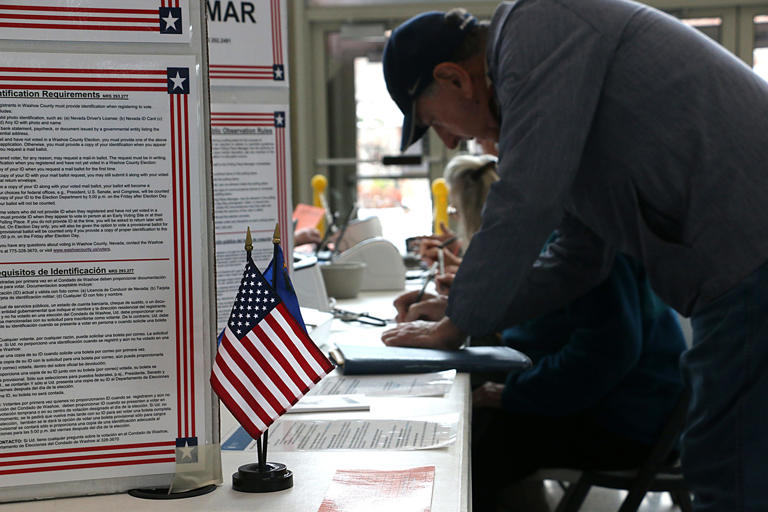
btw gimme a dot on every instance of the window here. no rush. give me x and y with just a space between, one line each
710 26
760 48
397 195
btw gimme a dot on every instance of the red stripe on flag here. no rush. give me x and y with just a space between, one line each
188 248
280 358
224 67
283 209
323 361
278 176
244 72
267 368
92 456
81 88
279 42
257 381
87 449
230 404
240 116
252 119
59 17
105 10
112 80
273 15
260 115
241 124
241 77
246 395
293 349
88 466
113 28
96 71
183 259
176 268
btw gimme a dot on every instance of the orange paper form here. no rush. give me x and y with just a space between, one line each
307 216
367 490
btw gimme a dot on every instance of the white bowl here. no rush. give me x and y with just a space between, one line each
343 280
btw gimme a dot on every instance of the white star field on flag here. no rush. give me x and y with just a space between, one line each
255 299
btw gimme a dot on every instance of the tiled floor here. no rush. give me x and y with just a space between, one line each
601 500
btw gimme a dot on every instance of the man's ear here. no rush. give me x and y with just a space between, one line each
451 74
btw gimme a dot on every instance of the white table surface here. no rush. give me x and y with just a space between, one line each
313 470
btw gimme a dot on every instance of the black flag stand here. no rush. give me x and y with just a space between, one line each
263 476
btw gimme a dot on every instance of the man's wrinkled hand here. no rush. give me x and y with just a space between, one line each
442 334
404 301
433 308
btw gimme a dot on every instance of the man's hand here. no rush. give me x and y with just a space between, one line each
442 334
443 282
430 247
404 301
488 395
433 308
307 236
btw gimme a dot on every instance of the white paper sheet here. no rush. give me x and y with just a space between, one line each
330 403
352 434
417 384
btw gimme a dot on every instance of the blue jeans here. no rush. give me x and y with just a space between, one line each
725 443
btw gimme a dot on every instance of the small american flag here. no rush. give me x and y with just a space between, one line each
265 362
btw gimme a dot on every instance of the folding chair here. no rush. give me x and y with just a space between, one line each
656 473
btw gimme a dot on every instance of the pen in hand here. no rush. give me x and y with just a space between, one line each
447 242
427 279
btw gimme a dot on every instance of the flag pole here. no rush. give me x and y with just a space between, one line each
275 257
248 250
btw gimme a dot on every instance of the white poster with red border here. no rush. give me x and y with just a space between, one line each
103 269
137 21
247 43
251 151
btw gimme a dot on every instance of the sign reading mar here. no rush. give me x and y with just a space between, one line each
229 11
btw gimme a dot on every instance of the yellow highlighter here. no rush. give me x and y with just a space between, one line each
319 184
440 200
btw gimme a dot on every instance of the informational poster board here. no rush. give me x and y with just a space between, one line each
248 42
106 261
252 183
139 21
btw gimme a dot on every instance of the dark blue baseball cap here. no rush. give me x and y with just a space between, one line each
410 56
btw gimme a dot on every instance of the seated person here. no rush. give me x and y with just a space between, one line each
305 236
468 178
603 382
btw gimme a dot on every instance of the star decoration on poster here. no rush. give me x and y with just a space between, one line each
170 20
178 80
